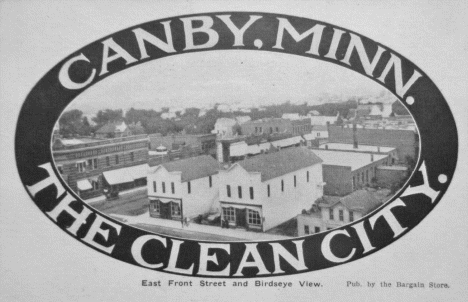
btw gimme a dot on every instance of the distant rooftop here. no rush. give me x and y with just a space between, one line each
193 167
350 147
78 141
275 164
354 160
360 201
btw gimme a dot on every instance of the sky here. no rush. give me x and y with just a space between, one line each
230 76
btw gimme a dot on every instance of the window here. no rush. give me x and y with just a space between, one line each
295 181
132 156
367 175
306 229
253 217
172 188
282 185
94 163
261 129
271 129
317 230
164 187
189 187
228 188
340 212
308 176
318 134
354 182
239 192
330 211
107 161
116 159
229 214
277 129
81 166
155 207
90 164
256 129
210 180
154 186
351 216
251 193
95 185
175 209
268 190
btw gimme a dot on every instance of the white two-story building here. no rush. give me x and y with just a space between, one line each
184 189
264 191
333 212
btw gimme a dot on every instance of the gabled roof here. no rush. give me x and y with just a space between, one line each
193 167
113 127
359 201
275 164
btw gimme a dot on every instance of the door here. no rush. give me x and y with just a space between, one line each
241 220
166 210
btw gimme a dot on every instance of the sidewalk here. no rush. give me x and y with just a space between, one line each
241 234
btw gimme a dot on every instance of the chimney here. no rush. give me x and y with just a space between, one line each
372 157
355 141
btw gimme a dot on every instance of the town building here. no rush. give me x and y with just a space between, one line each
322 119
89 166
345 172
390 151
225 127
264 191
184 189
113 130
242 149
332 212
199 143
276 125
406 141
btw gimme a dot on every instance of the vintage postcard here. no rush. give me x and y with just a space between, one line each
210 150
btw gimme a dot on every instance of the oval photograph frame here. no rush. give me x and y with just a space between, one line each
255 31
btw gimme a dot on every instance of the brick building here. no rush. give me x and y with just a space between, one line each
345 172
89 167
276 125
405 141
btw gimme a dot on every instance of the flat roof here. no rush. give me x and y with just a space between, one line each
355 160
363 148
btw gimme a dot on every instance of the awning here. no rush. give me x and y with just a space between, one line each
164 200
288 141
125 175
241 206
237 149
84 184
119 176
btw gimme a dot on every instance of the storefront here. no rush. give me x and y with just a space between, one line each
89 187
165 208
242 216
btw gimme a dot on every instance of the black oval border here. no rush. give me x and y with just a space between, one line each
437 129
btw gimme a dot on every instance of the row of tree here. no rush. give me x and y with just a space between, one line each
74 123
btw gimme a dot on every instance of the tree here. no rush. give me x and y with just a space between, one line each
106 116
72 123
